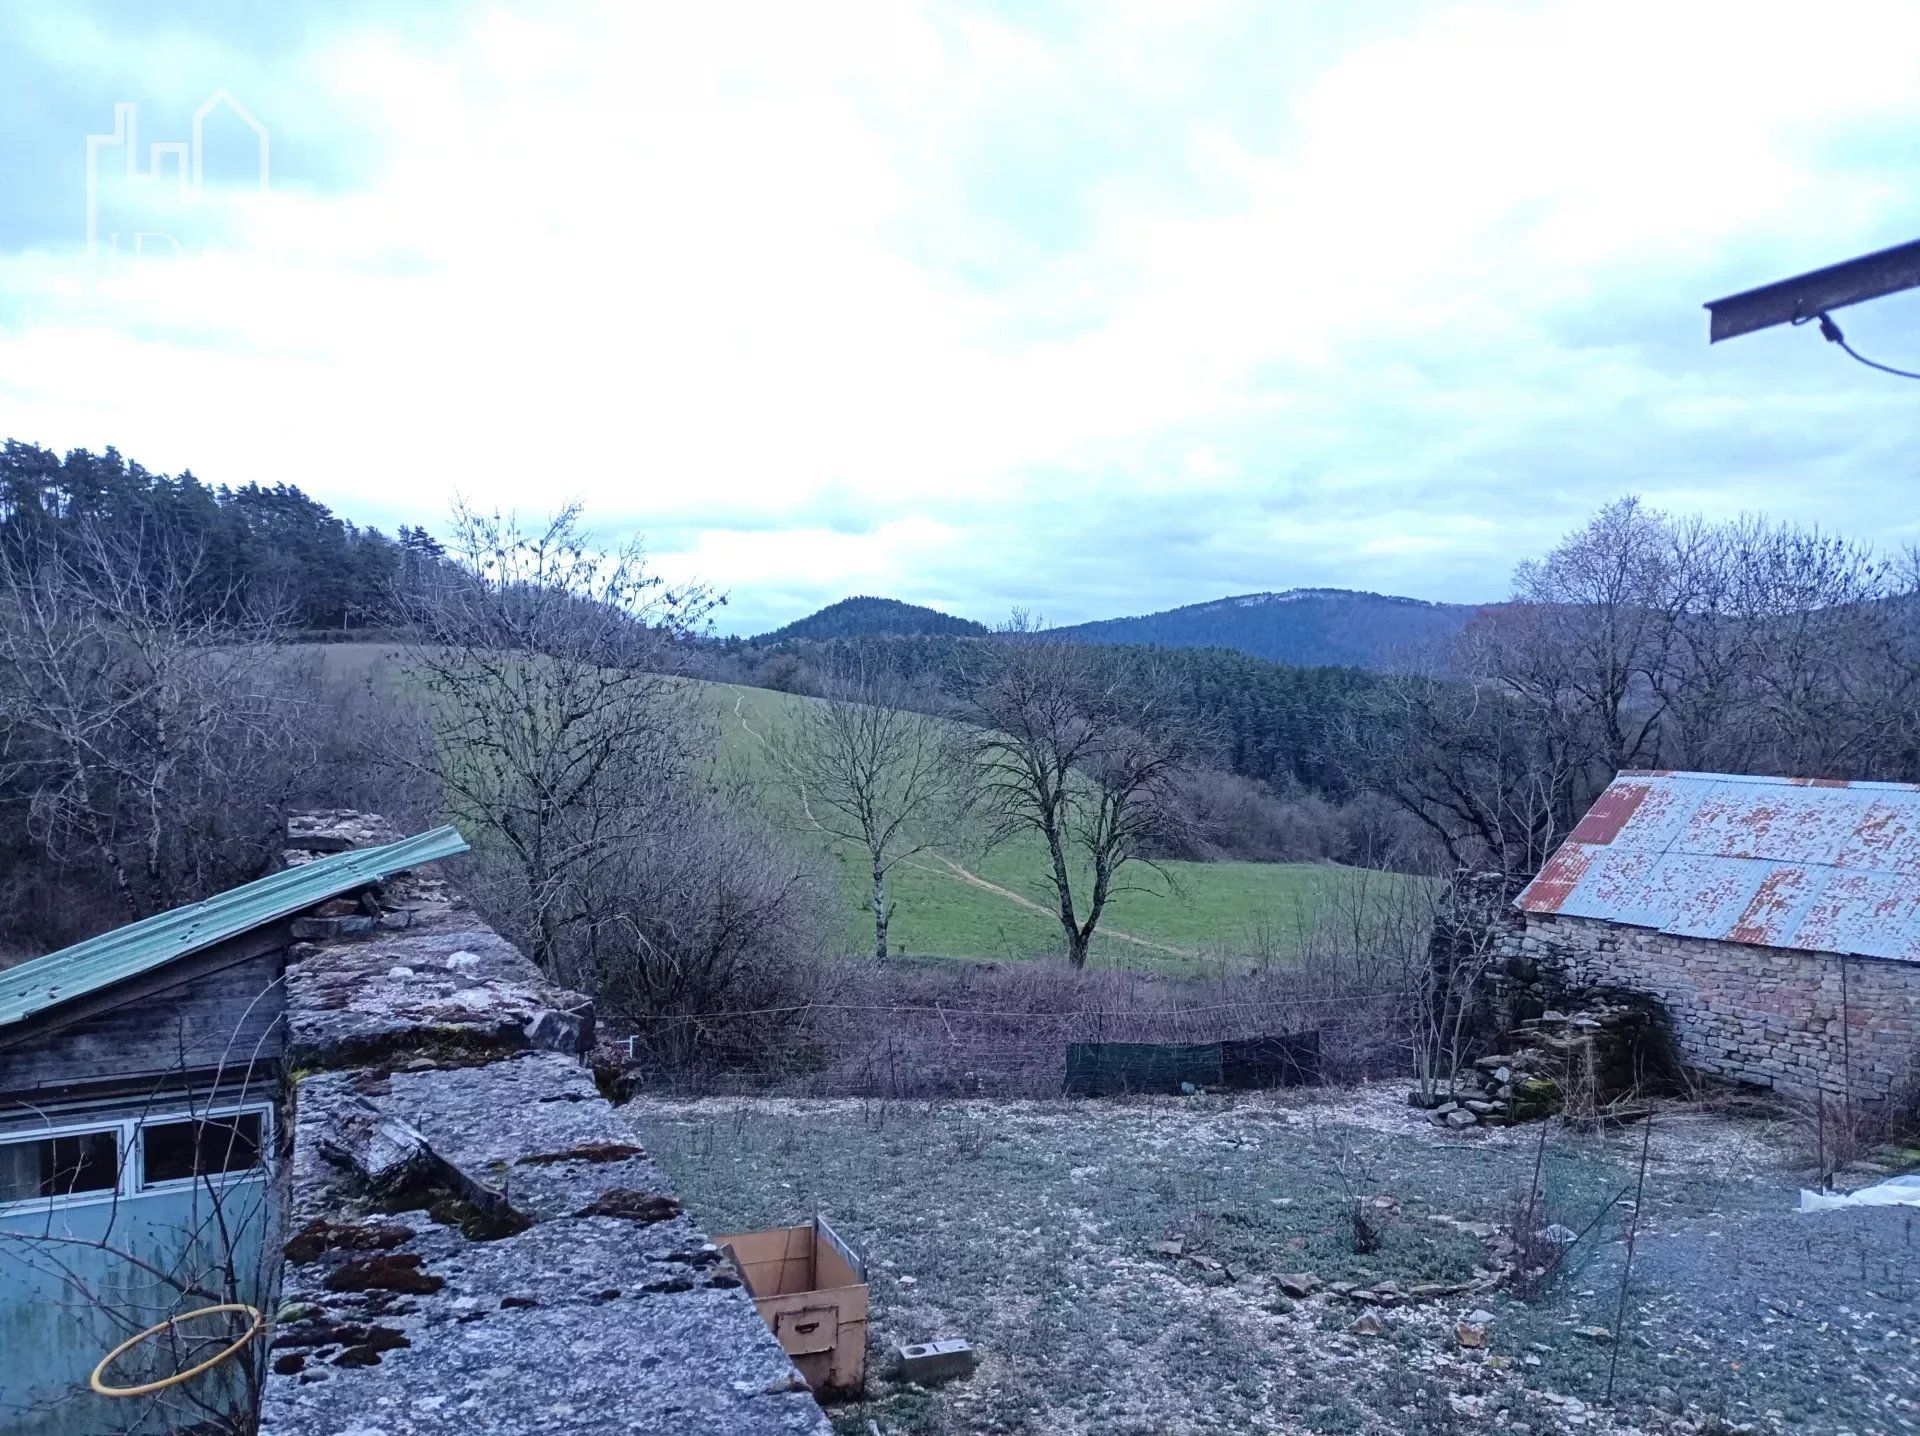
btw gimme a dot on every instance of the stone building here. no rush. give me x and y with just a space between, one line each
1777 921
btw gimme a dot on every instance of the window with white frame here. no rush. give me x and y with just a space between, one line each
107 1160
195 1147
74 1164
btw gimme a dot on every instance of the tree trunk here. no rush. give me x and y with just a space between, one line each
1076 948
1069 922
1102 879
879 910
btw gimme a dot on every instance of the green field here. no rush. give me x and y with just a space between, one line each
967 900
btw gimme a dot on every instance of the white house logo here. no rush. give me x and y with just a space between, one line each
173 186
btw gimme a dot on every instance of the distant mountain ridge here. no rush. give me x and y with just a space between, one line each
863 615
1307 626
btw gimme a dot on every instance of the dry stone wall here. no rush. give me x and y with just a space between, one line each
1800 1022
476 1243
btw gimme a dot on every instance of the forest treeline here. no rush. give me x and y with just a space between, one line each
1642 640
274 550
1281 726
271 547
158 713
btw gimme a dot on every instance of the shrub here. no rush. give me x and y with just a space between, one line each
707 941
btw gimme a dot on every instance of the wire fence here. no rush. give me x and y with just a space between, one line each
998 1032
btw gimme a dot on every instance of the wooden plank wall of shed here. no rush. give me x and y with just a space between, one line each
222 1020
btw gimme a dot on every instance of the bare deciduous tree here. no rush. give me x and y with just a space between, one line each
1588 624
555 722
711 935
152 732
1644 641
1088 758
1447 981
882 777
1491 776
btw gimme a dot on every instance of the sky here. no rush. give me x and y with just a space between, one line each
1088 309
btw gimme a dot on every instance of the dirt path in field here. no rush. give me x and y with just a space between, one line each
950 869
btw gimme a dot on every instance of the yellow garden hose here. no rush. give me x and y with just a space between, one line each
259 1325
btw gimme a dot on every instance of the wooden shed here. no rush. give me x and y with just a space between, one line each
140 1076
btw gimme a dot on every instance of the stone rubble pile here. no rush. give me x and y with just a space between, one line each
1580 1062
334 830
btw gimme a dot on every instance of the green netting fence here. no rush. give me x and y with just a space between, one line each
1107 1069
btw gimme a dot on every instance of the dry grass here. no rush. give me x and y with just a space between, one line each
903 1030
1036 1229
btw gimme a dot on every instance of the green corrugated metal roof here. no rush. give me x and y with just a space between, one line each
155 941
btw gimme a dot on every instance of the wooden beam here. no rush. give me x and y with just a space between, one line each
1808 295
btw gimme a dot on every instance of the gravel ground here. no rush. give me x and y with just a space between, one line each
1037 1230
1796 1322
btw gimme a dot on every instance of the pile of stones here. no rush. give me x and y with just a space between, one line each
1584 1062
334 830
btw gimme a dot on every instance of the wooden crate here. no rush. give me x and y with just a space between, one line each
811 1290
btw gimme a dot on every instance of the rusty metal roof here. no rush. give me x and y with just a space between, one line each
1808 863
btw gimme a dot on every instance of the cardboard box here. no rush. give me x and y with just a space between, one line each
811 1290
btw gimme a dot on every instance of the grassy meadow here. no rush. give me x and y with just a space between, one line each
968 900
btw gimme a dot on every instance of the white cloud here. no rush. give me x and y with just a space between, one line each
672 260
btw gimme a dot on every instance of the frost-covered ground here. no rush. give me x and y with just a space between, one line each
1118 1264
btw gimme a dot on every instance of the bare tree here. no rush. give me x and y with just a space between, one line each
153 730
1748 644
884 778
1495 778
1589 623
1816 624
1086 756
557 727
711 934
1447 981
1642 641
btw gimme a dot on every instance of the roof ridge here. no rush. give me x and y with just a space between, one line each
1769 779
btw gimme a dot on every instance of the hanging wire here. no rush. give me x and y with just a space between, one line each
1831 333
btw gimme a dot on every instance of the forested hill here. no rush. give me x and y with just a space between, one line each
1283 725
864 617
275 543
1314 626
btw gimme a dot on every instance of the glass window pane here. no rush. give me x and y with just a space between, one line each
87 1163
176 1150
59 1166
20 1166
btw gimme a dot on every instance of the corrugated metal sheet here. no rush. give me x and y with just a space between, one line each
1813 864
154 941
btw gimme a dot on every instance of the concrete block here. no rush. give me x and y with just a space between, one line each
936 1360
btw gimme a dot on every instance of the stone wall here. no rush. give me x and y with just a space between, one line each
1771 1017
476 1243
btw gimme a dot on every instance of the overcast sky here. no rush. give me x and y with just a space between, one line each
1093 309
